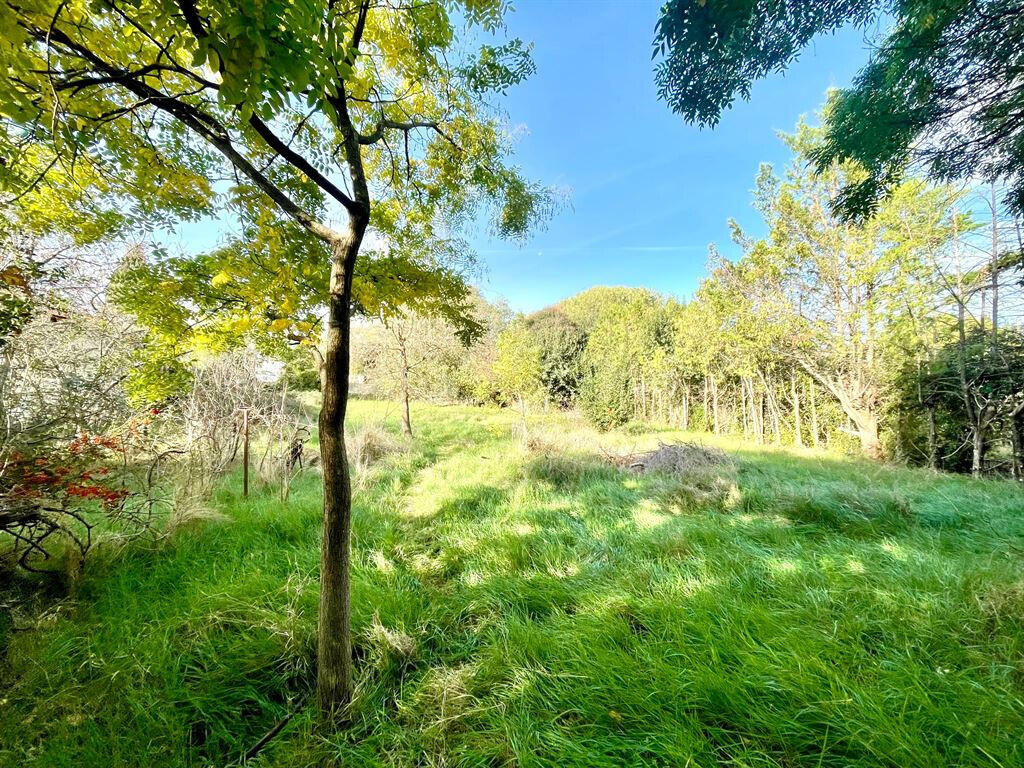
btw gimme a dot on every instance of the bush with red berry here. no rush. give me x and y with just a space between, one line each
56 492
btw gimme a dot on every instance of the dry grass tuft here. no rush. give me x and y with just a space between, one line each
389 645
442 702
694 475
369 444
1004 603
192 508
678 459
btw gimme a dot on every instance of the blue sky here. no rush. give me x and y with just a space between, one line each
648 192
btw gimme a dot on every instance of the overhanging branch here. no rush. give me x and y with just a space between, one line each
201 123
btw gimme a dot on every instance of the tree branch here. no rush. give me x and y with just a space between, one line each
297 160
200 122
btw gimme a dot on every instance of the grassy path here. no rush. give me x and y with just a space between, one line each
541 607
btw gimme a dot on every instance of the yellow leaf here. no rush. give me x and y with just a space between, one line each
279 325
220 279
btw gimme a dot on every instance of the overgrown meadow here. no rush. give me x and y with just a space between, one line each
529 602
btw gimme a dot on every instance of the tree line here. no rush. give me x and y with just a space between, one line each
897 336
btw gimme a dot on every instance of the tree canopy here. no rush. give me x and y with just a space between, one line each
941 91
312 123
157 111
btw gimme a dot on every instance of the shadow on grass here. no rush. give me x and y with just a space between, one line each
563 612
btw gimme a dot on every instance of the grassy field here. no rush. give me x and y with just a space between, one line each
535 605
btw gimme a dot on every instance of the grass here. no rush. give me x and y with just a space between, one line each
536 606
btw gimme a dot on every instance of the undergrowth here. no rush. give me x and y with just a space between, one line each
533 604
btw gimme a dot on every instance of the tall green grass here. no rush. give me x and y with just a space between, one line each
530 604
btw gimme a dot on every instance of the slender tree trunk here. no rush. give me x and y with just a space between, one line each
797 426
1017 460
760 417
933 440
707 413
995 270
245 453
406 415
975 413
815 434
1017 440
686 408
776 427
773 407
977 450
334 632
756 411
714 403
743 407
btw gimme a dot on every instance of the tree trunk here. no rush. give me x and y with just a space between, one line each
707 413
867 432
1017 441
797 426
815 433
760 417
756 411
406 415
686 408
743 407
977 450
334 632
933 440
994 268
773 406
714 403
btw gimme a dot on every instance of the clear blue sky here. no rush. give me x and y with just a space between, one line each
649 193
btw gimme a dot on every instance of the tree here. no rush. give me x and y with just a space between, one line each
624 328
518 367
473 378
835 297
973 390
940 91
75 456
693 333
968 382
430 357
561 343
316 112
412 355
